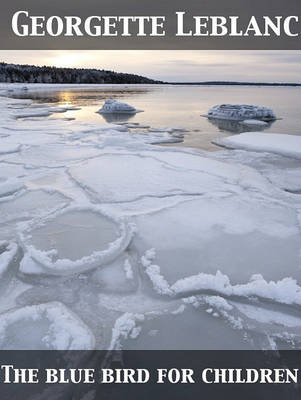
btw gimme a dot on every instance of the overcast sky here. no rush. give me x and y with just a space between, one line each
188 66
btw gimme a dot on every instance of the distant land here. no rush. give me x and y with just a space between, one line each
15 73
230 83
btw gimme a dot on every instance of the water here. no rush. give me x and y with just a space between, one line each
182 106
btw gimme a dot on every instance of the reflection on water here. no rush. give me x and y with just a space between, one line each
112 118
237 126
180 106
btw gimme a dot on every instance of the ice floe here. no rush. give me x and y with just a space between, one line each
286 145
241 112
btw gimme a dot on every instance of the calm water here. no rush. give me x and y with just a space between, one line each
182 106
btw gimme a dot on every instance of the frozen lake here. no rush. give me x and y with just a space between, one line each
111 240
181 106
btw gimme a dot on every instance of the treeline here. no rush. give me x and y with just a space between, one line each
12 73
229 83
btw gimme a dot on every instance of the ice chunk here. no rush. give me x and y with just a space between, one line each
286 145
241 112
114 106
48 326
76 239
60 154
33 113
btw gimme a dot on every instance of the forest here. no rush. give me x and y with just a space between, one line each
12 73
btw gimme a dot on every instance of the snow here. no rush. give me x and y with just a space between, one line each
241 112
125 326
285 145
112 106
153 271
286 291
109 242
128 270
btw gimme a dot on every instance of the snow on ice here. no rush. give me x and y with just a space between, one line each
114 106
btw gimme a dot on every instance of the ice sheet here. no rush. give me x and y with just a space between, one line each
110 242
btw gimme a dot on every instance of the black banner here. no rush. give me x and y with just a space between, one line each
169 24
169 375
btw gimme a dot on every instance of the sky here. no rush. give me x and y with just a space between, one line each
173 66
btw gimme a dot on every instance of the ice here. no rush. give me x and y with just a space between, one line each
241 112
60 153
161 174
32 204
261 325
9 148
285 291
286 145
255 122
261 235
49 326
32 113
10 186
117 276
7 253
266 316
286 178
204 332
112 106
76 239
281 171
